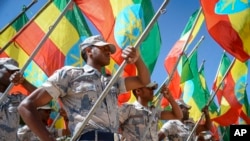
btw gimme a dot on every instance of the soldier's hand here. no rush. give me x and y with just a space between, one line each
130 54
17 78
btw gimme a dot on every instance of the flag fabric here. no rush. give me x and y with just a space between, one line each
122 23
231 94
62 46
186 74
214 128
222 69
60 49
225 133
193 90
228 24
245 112
171 60
125 21
5 37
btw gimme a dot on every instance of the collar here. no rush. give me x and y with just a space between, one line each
139 106
89 69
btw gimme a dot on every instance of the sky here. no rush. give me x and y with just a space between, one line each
171 25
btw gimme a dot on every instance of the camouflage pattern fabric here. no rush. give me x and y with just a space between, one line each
175 130
9 117
134 119
79 88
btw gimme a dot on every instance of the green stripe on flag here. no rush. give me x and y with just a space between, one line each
22 20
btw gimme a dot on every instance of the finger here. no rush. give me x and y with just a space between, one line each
129 54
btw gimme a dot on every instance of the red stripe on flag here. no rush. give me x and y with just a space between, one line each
170 63
46 57
245 117
100 13
220 28
228 118
3 54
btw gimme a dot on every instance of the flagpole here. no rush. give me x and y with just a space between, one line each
166 82
118 72
25 26
184 48
54 121
202 64
23 11
210 101
38 47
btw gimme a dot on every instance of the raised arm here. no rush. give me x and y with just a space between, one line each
208 123
176 112
143 75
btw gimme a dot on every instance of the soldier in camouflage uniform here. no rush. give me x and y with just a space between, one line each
135 117
9 117
180 129
80 87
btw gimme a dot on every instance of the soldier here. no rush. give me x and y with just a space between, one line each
135 117
9 117
181 129
80 87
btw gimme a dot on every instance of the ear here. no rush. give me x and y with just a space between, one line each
138 92
88 49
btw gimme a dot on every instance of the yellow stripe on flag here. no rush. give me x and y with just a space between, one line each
6 36
64 35
239 22
194 111
117 6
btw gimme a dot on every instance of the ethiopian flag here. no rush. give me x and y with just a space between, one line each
174 57
231 83
228 23
122 23
61 47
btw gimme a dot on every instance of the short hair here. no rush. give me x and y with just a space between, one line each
84 56
134 92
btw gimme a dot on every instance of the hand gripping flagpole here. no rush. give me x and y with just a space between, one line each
166 82
38 48
118 72
210 101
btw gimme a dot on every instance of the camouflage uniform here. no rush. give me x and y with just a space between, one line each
79 88
9 117
25 134
134 120
175 130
